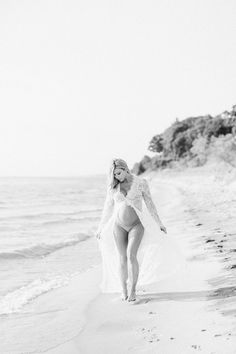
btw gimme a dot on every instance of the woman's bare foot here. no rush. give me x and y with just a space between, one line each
124 295
132 296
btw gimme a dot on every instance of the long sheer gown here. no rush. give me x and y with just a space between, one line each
158 255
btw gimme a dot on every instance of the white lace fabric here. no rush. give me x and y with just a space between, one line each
107 210
158 255
138 192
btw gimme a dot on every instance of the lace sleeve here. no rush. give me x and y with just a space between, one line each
107 210
149 202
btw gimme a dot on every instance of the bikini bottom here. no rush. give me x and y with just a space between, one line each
127 227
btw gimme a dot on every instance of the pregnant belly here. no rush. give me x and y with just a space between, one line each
127 214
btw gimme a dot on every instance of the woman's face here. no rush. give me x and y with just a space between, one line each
120 174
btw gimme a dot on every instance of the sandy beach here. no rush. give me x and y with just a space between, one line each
193 311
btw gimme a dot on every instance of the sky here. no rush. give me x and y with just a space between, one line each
82 82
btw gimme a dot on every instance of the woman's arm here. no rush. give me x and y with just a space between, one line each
107 210
150 204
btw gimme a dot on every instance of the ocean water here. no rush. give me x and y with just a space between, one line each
44 226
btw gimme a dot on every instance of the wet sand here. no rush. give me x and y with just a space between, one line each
194 311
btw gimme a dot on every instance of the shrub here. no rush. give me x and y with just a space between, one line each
199 150
156 144
193 141
223 148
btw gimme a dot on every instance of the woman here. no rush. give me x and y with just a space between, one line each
129 236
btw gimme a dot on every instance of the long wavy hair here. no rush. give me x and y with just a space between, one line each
116 163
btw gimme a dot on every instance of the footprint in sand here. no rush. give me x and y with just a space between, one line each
210 240
195 346
150 335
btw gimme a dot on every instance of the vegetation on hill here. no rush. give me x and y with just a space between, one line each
192 142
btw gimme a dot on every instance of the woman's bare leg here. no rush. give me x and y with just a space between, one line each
121 239
134 239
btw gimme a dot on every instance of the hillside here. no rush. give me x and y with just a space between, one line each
193 142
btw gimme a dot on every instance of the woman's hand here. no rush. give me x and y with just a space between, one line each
162 228
98 235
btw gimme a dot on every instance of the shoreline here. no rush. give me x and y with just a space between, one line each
58 316
191 311
181 314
